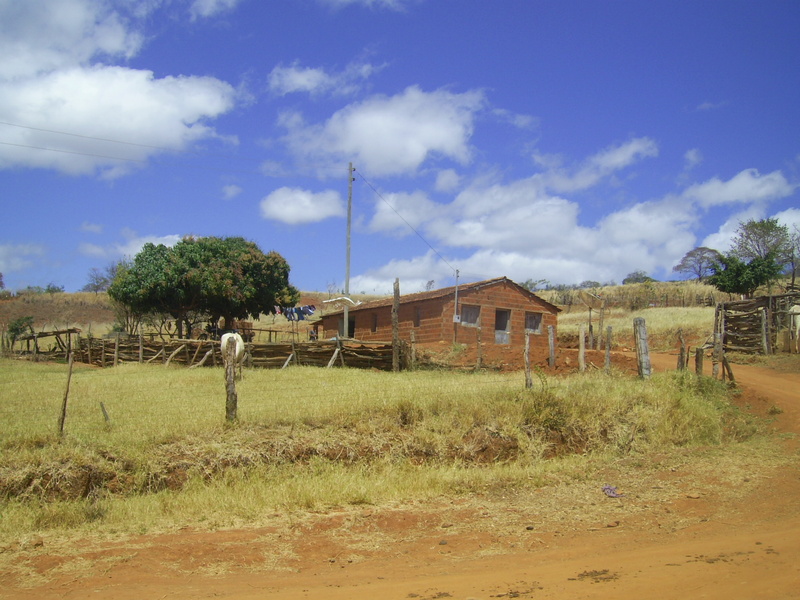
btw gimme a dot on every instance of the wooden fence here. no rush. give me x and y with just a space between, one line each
197 353
759 325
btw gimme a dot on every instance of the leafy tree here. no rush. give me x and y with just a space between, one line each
218 277
52 288
698 262
757 239
734 276
637 277
2 285
19 326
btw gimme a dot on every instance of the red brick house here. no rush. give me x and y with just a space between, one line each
498 310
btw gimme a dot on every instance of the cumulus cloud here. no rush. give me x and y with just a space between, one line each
389 135
17 257
129 246
64 102
447 180
599 165
692 158
284 80
398 213
297 206
743 188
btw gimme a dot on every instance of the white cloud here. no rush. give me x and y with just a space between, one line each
389 135
134 243
598 166
231 191
91 227
17 257
62 104
790 218
743 188
398 213
722 239
390 4
692 158
447 180
93 250
286 80
296 206
209 8
709 106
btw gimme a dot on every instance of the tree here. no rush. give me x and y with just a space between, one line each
757 239
734 276
637 277
2 285
218 277
99 280
698 262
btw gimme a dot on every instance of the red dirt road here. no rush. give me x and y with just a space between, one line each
679 532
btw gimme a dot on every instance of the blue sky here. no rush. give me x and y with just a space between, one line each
564 141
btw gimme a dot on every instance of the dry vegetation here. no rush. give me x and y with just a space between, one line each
313 438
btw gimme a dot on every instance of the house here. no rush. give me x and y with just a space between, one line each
496 311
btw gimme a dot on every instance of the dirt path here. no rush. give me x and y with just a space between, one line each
715 539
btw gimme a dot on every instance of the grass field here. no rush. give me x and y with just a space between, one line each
311 438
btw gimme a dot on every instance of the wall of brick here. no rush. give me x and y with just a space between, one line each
435 318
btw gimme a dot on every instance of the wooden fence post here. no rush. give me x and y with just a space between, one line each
116 350
527 355
413 349
698 361
642 349
231 401
141 348
551 343
396 327
63 417
682 351
582 347
608 350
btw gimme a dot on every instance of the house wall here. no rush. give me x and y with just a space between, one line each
436 318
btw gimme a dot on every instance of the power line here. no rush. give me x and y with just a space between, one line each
419 235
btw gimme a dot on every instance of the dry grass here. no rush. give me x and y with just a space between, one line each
310 438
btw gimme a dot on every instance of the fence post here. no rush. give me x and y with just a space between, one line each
642 350
551 343
527 355
682 351
582 347
231 401
63 417
608 350
698 361
396 327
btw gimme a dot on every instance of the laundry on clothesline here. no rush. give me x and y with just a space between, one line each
296 313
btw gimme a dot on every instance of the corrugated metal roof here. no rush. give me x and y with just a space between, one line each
440 293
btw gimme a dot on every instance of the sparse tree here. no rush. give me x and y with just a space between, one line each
2 285
758 239
98 281
698 262
429 285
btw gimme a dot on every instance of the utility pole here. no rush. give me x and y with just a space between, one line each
350 169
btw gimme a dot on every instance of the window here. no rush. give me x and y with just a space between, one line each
502 323
417 316
533 322
470 315
374 322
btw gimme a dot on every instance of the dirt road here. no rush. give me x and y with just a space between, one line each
678 532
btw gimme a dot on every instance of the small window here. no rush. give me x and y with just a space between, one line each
470 315
374 322
533 322
417 316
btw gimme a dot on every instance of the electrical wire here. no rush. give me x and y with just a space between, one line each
419 235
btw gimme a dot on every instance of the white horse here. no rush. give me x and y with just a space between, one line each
238 354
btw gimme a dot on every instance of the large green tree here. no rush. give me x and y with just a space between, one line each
221 277
734 276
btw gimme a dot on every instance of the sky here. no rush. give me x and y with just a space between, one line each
561 141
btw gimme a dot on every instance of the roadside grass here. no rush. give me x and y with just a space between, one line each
311 438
